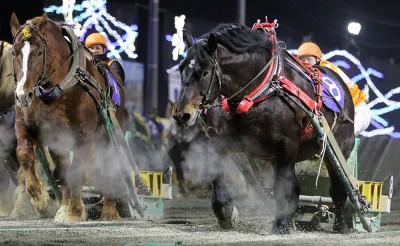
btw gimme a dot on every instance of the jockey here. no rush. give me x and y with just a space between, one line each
310 53
97 44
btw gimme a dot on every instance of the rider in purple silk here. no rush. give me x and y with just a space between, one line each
97 44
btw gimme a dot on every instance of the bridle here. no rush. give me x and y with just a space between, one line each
43 79
24 30
205 103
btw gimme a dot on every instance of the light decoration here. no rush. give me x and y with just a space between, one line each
94 14
177 38
381 105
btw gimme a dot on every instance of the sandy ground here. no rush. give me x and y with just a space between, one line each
187 221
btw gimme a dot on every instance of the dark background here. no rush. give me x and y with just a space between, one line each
324 22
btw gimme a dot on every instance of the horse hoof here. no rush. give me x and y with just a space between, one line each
41 201
229 224
110 218
341 229
61 215
280 230
22 206
50 211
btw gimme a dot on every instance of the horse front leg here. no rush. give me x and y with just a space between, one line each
26 158
62 164
75 179
222 204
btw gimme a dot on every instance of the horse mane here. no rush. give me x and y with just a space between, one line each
50 25
240 38
7 85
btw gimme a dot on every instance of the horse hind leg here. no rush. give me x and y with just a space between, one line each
286 192
339 196
109 210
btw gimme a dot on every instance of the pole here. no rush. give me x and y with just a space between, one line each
151 85
241 12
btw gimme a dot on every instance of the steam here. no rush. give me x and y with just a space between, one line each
98 164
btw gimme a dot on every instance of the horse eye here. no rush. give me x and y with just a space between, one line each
39 53
205 73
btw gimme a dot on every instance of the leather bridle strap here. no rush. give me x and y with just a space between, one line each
42 38
204 101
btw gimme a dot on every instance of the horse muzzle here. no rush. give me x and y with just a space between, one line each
24 100
182 120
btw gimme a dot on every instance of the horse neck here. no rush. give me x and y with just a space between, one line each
7 85
237 72
58 51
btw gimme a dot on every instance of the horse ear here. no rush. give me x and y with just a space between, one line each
212 43
187 38
42 24
15 25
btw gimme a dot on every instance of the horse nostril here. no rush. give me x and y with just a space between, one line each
185 117
29 97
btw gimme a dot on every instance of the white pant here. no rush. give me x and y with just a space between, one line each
362 118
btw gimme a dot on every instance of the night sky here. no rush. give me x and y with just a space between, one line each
324 21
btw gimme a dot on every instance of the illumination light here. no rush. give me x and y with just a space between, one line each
94 14
354 28
177 38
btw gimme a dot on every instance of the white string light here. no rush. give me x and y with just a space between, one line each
94 14
177 38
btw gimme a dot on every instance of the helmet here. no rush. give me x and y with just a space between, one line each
95 38
309 49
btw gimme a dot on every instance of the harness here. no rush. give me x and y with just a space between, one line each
78 65
273 81
77 73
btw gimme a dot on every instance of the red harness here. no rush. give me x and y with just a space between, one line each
287 85
248 102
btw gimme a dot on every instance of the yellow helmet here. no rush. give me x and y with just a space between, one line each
309 49
95 38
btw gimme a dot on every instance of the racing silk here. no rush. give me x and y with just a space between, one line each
116 66
357 95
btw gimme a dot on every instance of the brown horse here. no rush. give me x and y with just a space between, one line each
7 136
60 96
221 73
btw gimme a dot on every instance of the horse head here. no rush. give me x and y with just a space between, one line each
29 57
200 84
38 55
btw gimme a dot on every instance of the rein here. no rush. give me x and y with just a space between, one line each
48 95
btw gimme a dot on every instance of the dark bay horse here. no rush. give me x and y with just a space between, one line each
219 74
60 93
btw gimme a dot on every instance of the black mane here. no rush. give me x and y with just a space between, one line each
240 39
